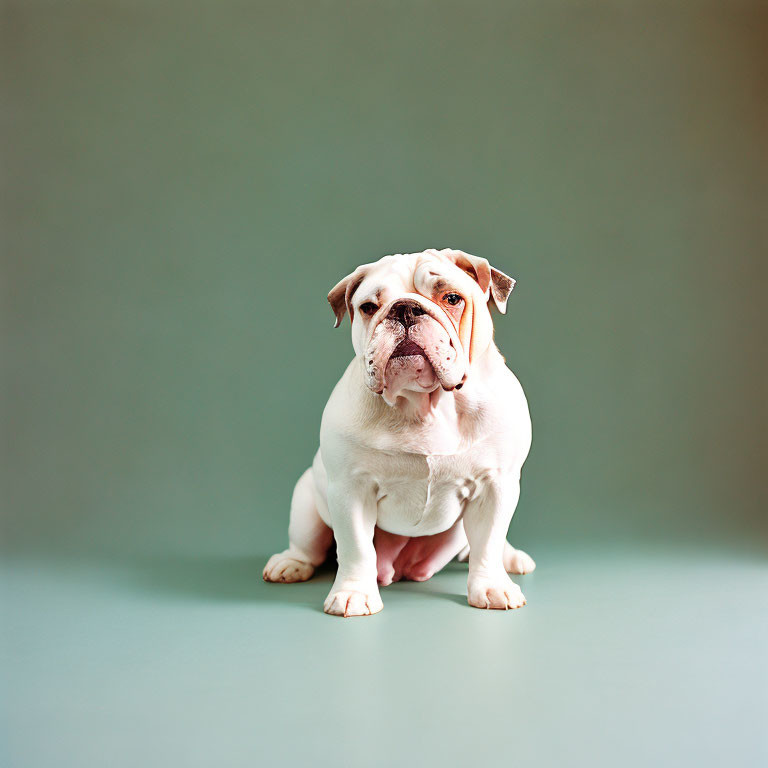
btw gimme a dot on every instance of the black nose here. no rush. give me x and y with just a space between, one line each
406 311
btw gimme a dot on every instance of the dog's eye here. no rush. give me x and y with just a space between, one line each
368 308
452 298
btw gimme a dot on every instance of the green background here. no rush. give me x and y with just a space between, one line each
183 183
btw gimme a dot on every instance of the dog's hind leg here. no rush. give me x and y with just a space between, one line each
309 538
515 560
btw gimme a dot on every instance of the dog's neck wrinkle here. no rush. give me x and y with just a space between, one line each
410 406
436 423
417 406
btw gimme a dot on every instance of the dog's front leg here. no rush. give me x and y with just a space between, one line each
352 508
486 520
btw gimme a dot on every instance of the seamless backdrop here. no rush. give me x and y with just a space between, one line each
184 185
184 182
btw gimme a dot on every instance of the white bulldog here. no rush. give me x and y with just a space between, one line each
421 442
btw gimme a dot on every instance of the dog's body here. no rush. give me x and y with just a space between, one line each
422 440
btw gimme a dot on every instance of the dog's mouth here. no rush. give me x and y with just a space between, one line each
408 367
419 358
407 348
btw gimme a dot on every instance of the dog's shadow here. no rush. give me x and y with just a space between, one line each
238 579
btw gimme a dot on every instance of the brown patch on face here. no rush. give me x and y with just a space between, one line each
475 326
442 289
454 311
462 315
465 327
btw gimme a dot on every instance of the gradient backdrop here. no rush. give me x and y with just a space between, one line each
183 183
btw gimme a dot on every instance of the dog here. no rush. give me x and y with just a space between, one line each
422 440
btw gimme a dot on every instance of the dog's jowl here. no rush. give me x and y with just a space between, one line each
421 442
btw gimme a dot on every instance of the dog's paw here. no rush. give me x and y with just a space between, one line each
500 592
517 561
285 568
352 602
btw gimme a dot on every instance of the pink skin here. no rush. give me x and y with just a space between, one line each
415 558
401 371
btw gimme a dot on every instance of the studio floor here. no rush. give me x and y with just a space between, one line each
619 659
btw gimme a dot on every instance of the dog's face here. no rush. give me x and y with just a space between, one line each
420 319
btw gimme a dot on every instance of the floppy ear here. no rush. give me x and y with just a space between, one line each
500 285
341 295
476 267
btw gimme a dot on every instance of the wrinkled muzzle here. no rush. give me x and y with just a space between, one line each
412 344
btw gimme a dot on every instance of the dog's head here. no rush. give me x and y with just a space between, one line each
420 319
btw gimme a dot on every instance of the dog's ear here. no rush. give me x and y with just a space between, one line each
501 287
340 296
487 277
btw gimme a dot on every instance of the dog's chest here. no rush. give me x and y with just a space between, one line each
424 495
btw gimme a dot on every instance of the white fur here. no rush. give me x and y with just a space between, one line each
413 462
